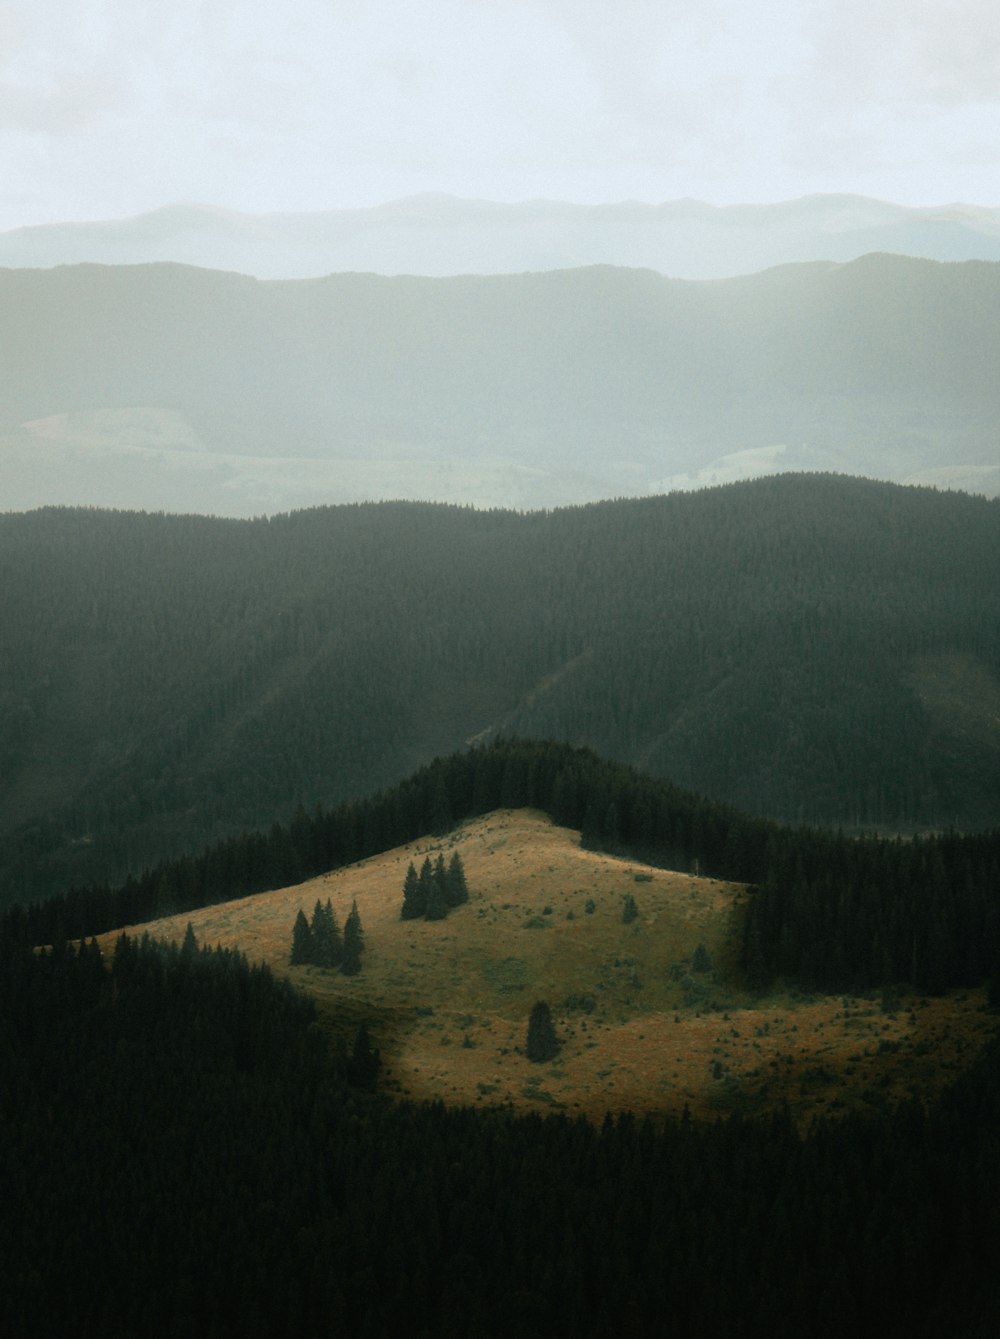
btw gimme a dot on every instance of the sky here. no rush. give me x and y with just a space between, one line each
109 108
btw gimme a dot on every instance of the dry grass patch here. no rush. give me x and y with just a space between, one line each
641 1028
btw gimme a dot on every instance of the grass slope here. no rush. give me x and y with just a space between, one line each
640 1028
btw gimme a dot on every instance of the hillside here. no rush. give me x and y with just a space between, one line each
813 649
641 1027
165 387
441 235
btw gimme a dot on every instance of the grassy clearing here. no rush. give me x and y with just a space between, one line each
650 1013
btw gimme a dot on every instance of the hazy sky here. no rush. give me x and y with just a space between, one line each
112 107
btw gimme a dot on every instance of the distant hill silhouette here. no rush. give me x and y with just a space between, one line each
441 235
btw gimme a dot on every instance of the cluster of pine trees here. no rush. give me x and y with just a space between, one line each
319 942
432 893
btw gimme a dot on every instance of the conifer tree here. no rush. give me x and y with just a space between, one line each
425 884
365 1060
327 947
414 904
437 907
301 941
542 1043
189 948
354 942
456 889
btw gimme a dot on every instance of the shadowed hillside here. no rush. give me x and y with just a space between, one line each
814 649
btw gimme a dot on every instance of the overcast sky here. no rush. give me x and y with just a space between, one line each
113 107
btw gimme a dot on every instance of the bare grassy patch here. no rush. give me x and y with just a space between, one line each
641 1027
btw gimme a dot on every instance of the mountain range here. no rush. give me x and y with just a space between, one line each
442 235
170 387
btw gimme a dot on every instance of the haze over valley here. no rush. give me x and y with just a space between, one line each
165 387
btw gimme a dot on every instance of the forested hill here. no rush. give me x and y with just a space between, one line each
813 648
167 387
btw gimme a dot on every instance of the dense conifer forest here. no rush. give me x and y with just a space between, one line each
815 649
180 1154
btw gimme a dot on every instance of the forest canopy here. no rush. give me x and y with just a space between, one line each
809 648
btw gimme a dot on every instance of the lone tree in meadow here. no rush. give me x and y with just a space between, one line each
542 1043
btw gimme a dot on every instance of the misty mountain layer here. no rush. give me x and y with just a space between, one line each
165 387
442 235
811 648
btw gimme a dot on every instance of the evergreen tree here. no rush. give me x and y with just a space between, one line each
437 907
302 947
354 942
425 885
456 889
190 946
701 959
542 1043
414 901
327 947
365 1061
630 909
437 900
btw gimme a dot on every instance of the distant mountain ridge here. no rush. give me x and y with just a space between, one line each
441 235
167 387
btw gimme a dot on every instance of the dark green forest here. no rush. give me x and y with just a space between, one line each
181 1155
811 649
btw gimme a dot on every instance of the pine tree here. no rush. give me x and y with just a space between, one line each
327 948
354 942
456 889
437 907
437 897
189 948
542 1043
425 885
302 950
414 902
365 1061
